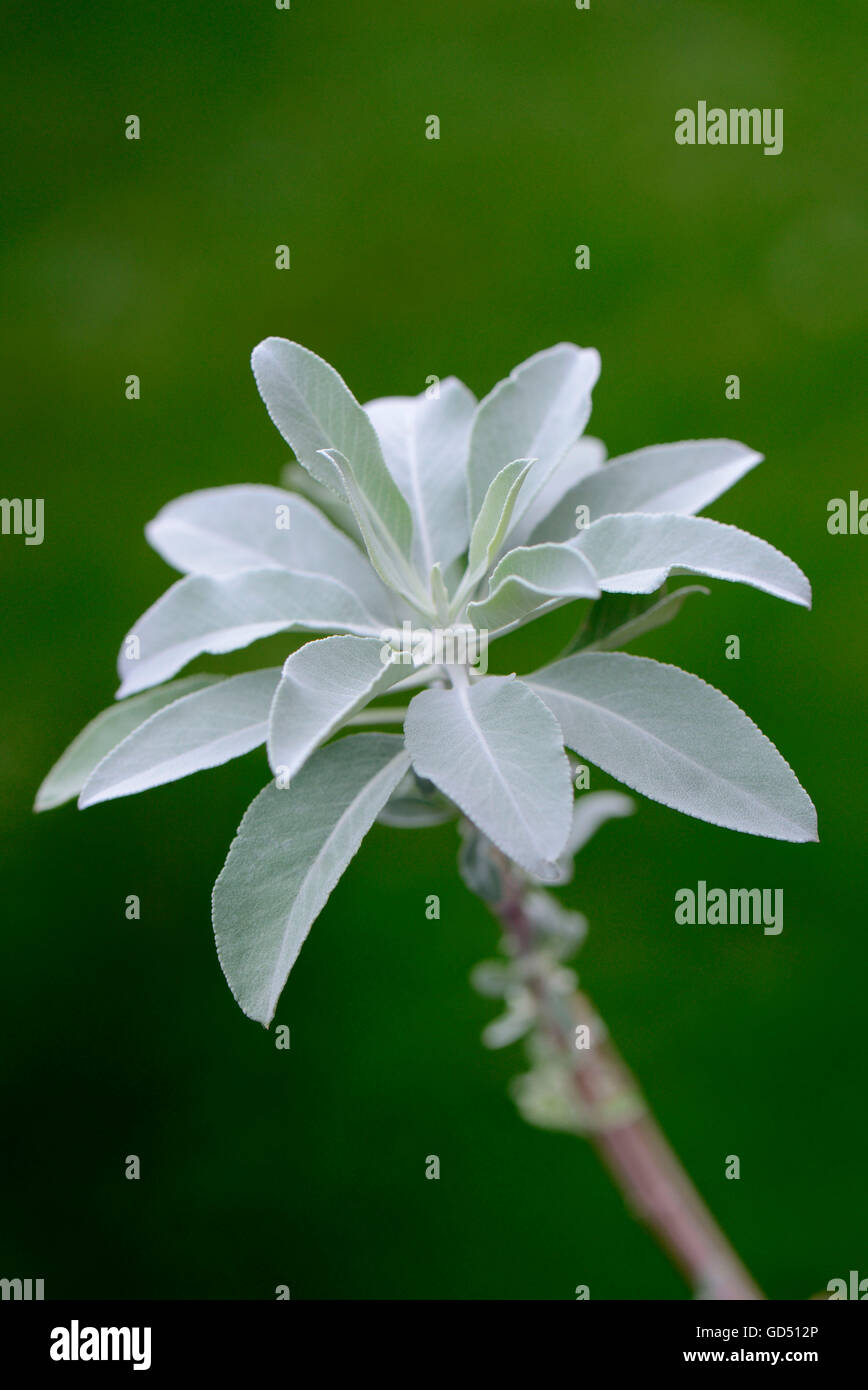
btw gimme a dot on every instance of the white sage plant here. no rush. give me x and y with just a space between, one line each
437 514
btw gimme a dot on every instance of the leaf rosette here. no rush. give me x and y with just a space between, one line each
433 513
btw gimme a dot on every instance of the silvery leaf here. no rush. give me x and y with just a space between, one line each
673 478
634 554
314 409
490 526
291 849
537 412
425 442
583 458
296 479
200 614
322 685
201 730
494 749
387 534
530 580
105 732
672 737
223 530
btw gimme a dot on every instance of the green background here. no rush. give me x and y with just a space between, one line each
412 257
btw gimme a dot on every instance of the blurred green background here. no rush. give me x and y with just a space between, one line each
411 257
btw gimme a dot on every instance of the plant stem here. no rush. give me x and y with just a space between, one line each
620 1126
389 714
